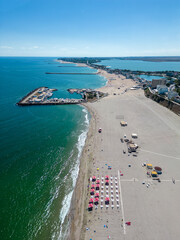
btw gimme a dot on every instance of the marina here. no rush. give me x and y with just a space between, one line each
42 96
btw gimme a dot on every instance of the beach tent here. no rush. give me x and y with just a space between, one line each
97 186
92 186
90 207
154 174
149 166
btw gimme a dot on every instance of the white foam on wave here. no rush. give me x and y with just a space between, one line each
74 174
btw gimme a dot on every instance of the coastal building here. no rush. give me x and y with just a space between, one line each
172 94
156 82
162 89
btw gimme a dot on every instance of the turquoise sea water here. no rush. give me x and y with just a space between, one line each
40 148
141 65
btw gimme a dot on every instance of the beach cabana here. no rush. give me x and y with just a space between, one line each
92 186
97 195
93 178
92 192
97 186
106 200
90 207
154 174
149 166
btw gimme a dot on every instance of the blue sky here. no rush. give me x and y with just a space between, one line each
90 28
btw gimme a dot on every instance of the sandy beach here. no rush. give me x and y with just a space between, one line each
151 207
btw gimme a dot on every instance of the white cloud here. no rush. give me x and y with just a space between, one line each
35 47
6 47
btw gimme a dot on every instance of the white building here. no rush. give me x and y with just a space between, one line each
162 89
172 94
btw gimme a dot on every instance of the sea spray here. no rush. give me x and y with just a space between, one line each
74 174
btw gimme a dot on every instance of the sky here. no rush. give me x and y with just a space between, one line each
92 28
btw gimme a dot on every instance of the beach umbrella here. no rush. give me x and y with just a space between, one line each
107 182
91 200
92 186
97 186
93 178
106 200
90 207
96 201
107 177
98 181
92 192
97 195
